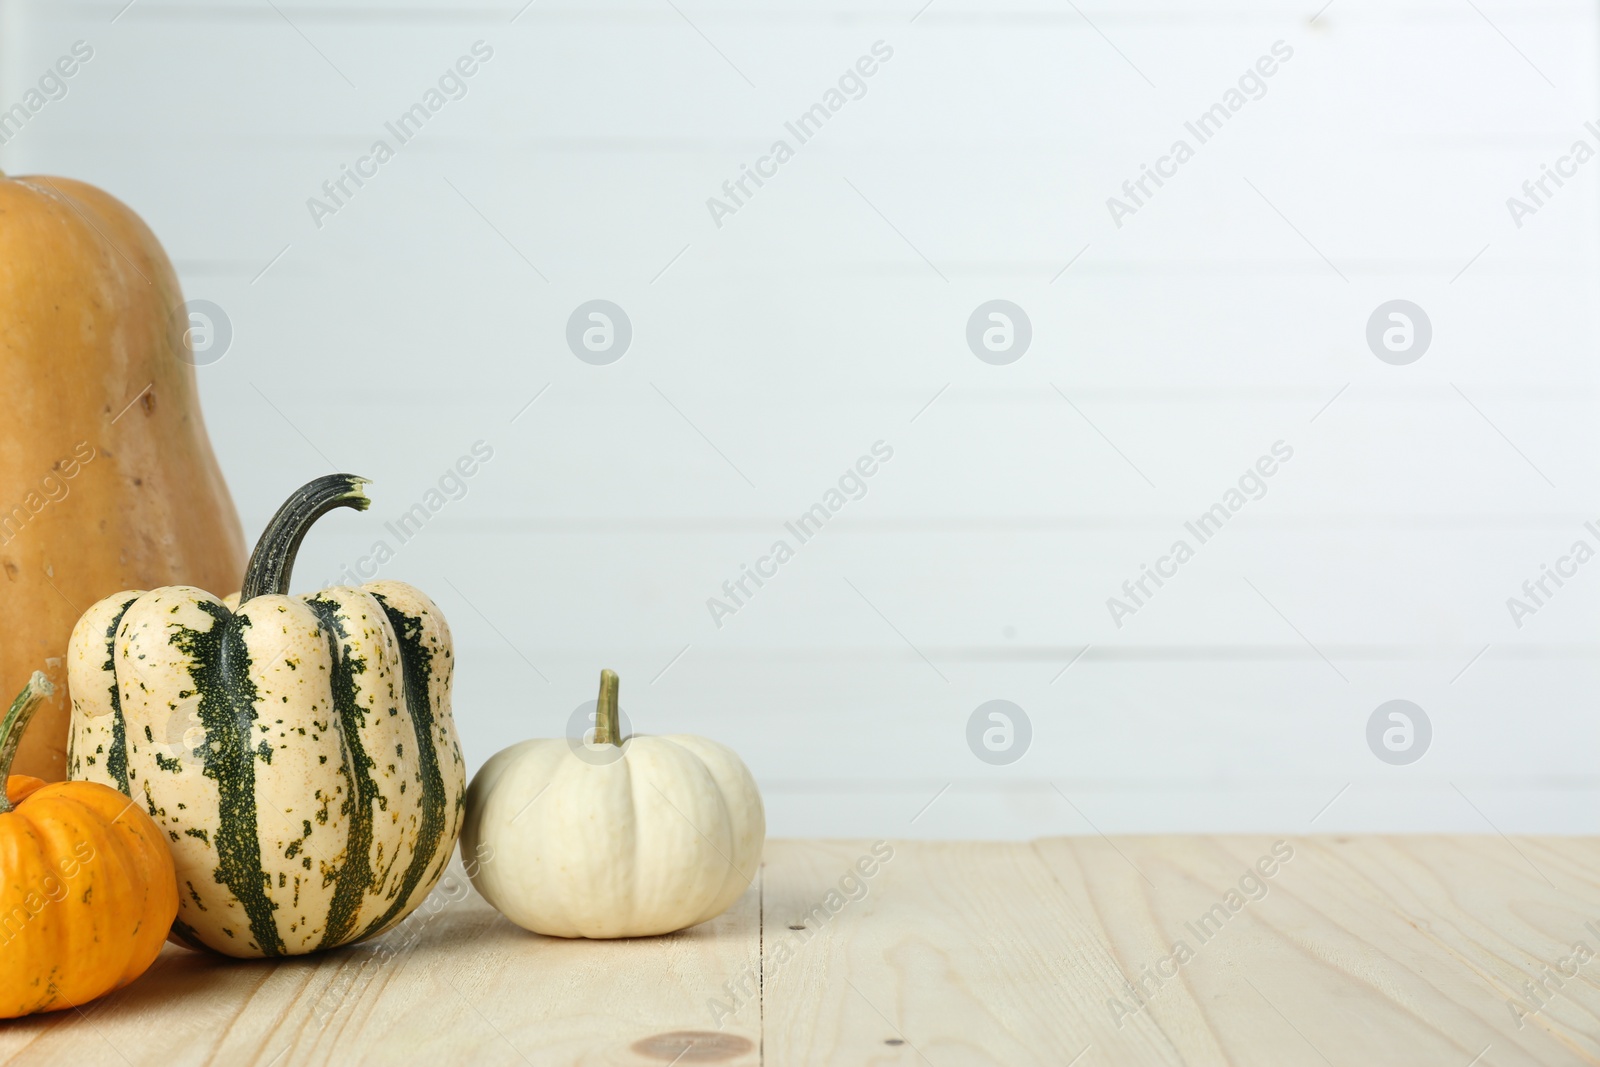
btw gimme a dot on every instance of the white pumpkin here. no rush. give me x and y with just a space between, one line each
614 838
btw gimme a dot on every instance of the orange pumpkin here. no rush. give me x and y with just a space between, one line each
107 478
87 889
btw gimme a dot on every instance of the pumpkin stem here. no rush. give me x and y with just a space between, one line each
607 731
273 559
15 723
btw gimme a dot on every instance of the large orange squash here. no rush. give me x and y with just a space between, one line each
87 888
107 478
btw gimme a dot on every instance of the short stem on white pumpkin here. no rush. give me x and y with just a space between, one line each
33 694
607 730
273 559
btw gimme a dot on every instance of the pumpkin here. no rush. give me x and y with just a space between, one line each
107 478
298 751
614 838
86 883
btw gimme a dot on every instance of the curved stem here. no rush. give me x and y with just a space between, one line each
273 560
607 731
15 723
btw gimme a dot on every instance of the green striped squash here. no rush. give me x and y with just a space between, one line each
298 750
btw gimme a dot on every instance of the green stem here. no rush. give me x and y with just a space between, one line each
607 731
273 560
16 721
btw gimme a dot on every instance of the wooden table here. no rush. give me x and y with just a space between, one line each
1333 951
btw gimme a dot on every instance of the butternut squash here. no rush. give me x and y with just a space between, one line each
107 478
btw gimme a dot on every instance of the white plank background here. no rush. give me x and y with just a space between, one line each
771 352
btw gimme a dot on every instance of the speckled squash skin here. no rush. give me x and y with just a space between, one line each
297 751
107 477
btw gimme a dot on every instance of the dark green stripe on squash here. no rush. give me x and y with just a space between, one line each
219 664
416 664
355 874
117 758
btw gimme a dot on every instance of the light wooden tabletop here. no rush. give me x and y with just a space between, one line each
1363 951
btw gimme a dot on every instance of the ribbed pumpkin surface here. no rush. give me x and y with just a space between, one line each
299 753
86 897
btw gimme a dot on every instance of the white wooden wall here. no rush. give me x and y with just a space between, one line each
771 352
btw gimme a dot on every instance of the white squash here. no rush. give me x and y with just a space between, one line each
614 838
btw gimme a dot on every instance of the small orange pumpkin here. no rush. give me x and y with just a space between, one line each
87 889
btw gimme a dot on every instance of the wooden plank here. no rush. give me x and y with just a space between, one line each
1376 950
956 953
1360 950
458 984
1449 950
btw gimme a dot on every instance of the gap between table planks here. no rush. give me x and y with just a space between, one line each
1362 951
